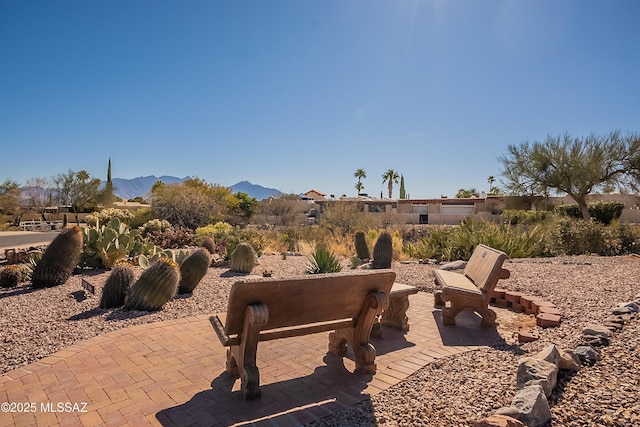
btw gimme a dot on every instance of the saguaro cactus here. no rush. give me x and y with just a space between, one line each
155 286
59 259
193 269
243 258
117 285
383 251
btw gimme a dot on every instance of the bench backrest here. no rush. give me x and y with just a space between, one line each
305 299
484 268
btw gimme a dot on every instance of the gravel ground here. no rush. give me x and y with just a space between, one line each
448 392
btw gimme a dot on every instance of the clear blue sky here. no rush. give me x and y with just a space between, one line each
297 95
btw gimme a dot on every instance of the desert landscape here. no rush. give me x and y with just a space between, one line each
450 391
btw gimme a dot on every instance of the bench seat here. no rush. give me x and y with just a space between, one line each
471 289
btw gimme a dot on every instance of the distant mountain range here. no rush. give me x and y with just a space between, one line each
141 186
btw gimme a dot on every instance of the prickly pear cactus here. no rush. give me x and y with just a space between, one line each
59 259
155 286
209 244
193 269
243 258
383 251
362 249
116 287
10 276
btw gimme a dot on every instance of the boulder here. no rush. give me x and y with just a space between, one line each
530 406
454 265
549 354
569 361
498 421
534 371
596 331
587 354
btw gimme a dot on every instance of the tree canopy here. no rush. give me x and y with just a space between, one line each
572 165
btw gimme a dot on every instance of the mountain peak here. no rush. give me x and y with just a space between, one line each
141 187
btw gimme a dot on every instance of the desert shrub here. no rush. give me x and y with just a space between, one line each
520 216
606 212
323 261
232 236
340 219
568 236
576 237
106 215
140 217
154 226
571 211
173 238
459 242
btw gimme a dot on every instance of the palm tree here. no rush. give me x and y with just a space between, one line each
360 173
390 177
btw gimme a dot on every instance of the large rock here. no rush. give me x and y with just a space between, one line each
596 331
549 354
534 371
569 360
454 265
587 354
530 406
498 421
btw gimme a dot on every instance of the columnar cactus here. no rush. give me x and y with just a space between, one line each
209 244
383 251
243 258
59 259
10 276
362 249
155 286
117 285
193 269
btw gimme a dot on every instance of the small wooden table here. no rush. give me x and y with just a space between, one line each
395 316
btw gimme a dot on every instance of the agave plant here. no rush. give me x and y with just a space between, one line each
323 261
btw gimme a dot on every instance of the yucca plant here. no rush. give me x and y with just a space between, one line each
323 261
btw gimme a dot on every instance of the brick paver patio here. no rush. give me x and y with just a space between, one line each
172 373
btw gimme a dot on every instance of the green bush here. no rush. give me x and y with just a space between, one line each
577 237
524 217
606 212
232 236
572 211
603 212
323 261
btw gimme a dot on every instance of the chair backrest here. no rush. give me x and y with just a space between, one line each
305 299
484 268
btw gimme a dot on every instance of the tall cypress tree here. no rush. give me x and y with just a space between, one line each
403 194
107 194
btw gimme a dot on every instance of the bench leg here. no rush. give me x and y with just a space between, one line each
489 318
241 359
396 315
358 336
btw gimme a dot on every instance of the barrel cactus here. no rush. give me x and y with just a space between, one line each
10 276
193 269
117 286
155 286
362 249
209 244
383 251
243 258
59 259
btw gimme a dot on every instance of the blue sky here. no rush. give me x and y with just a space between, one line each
298 94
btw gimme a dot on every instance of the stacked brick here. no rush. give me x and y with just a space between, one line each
546 313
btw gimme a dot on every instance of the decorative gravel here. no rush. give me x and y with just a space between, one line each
447 392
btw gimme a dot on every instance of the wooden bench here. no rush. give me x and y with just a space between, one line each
267 309
471 290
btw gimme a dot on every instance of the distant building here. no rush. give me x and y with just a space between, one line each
315 195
